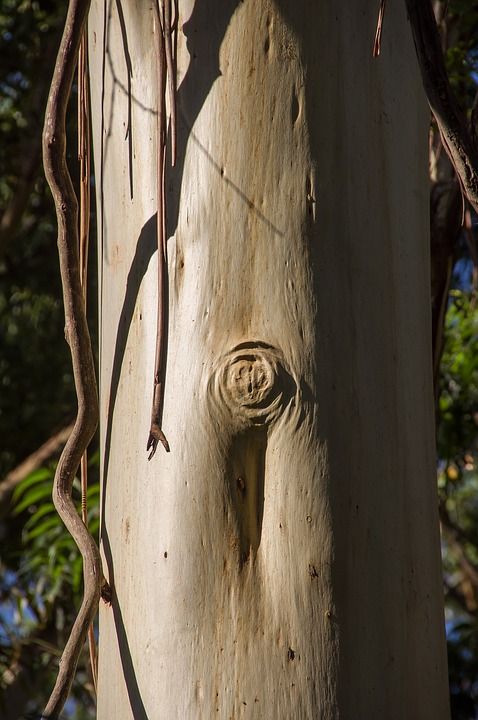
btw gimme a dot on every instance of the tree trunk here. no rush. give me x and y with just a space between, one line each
282 561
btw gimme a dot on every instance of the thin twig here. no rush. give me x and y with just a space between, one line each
76 331
170 65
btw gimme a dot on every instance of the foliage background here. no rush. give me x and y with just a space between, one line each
40 570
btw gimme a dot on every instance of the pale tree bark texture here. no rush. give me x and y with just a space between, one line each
282 561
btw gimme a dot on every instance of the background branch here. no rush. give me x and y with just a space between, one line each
452 124
49 448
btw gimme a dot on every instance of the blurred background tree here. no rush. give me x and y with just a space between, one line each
40 569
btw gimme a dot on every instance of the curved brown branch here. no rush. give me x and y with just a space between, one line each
76 331
452 124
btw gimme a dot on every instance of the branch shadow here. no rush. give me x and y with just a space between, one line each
129 74
145 249
132 688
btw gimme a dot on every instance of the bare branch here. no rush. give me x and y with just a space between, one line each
451 121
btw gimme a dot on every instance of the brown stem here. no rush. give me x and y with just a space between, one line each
168 45
76 331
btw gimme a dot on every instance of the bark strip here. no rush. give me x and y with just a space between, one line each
166 71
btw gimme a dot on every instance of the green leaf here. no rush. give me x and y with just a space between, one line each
34 477
42 529
94 526
77 574
93 491
32 496
38 514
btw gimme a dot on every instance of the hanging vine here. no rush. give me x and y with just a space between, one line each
84 158
78 338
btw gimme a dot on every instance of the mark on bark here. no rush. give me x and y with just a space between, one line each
250 386
241 485
248 390
310 194
313 571
246 460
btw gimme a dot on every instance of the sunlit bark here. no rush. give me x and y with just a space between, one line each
282 561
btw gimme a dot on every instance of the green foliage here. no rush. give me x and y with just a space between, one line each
28 33
49 555
457 429
34 361
458 403
458 492
47 585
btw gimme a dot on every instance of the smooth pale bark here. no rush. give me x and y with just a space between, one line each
283 560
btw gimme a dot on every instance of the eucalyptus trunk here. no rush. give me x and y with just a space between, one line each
282 561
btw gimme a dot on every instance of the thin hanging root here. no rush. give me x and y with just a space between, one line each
378 32
166 72
168 30
76 330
